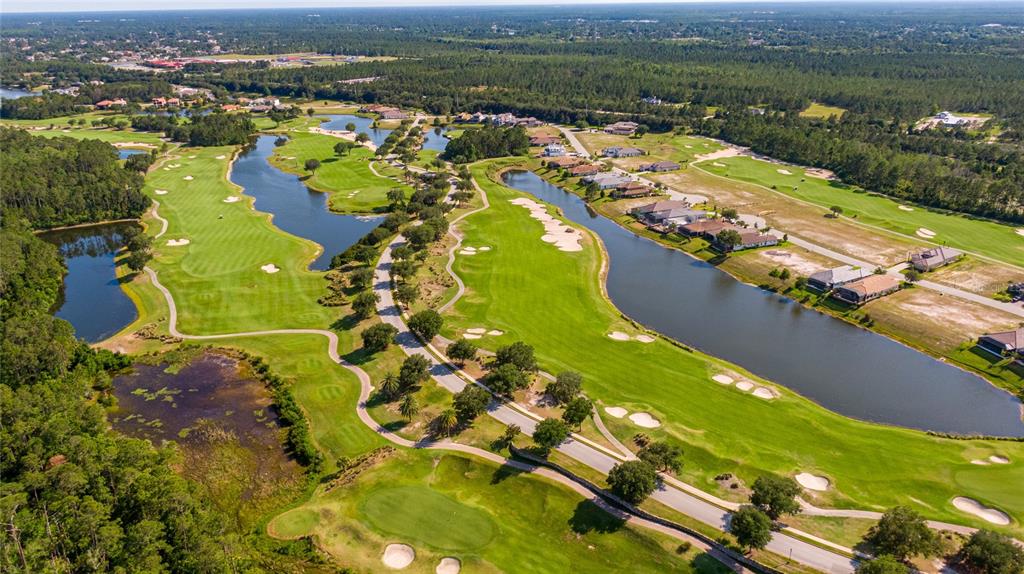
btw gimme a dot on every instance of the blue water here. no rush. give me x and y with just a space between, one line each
338 122
849 370
433 140
92 299
297 209
125 153
13 93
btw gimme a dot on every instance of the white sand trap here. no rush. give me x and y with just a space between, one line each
687 146
469 248
971 506
618 336
764 393
174 165
980 462
617 412
784 171
177 242
464 252
188 178
1020 231
744 385
722 379
167 169
563 237
495 332
398 556
906 208
719 164
161 192
191 157
645 420
448 565
270 268
926 233
232 199
644 338
484 248
477 330
812 482
999 459
222 156
470 336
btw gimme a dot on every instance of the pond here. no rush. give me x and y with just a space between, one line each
125 153
14 93
339 121
849 370
296 209
91 298
435 138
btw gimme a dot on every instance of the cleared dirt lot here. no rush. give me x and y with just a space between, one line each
977 276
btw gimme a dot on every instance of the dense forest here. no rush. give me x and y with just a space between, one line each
477 144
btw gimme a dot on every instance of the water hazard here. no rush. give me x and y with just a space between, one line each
846 369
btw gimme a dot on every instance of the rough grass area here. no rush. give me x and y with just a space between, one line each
665 146
491 518
353 188
57 127
563 314
979 236
816 110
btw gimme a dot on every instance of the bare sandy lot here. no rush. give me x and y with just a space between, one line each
942 320
977 276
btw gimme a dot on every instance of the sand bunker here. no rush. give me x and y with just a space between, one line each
617 412
484 248
720 154
466 252
723 379
232 199
398 556
926 233
562 236
719 164
477 330
1020 231
784 171
448 565
161 192
618 336
906 208
812 482
971 506
744 385
188 178
495 332
270 268
645 420
764 393
470 336
999 459
221 157
177 242
174 165
644 338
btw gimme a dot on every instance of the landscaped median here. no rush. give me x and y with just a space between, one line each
564 315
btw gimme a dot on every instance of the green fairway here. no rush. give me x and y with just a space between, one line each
417 513
489 517
978 236
665 146
564 315
348 179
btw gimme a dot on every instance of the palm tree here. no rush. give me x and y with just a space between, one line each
409 407
447 421
389 385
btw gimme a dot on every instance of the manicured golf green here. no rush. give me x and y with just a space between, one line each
353 187
979 236
416 512
561 312
489 517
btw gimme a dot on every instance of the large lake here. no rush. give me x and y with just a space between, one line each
849 370
92 299
296 209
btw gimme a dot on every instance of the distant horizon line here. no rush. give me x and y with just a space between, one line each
403 4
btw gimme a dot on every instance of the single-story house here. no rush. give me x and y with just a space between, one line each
646 210
544 139
1005 343
707 227
530 122
606 180
831 278
107 104
564 162
584 169
621 128
616 151
682 216
660 166
632 189
749 239
934 258
166 101
554 150
393 114
864 290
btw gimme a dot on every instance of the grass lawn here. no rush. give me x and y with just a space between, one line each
563 314
489 517
62 129
665 146
353 188
816 110
979 236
